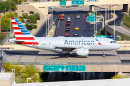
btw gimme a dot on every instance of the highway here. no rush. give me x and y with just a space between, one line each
118 25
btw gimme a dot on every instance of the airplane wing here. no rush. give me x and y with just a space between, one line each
68 48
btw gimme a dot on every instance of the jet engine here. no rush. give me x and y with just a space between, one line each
82 52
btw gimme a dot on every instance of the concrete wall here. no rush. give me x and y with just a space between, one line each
5 83
110 30
107 68
100 68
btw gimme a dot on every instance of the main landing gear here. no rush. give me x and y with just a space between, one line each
67 54
103 53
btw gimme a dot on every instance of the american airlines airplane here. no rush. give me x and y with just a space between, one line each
80 45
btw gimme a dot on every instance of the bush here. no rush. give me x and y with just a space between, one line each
37 15
18 1
34 26
22 20
34 21
31 12
24 15
29 27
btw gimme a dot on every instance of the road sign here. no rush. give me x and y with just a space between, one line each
62 2
78 68
64 68
102 36
92 0
77 2
92 14
91 18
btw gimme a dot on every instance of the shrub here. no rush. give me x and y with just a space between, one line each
29 27
34 26
31 12
37 15
24 15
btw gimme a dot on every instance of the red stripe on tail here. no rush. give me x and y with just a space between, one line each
11 18
28 43
14 23
18 33
25 38
16 28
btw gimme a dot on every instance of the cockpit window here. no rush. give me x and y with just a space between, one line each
112 42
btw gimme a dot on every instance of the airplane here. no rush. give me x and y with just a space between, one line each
80 45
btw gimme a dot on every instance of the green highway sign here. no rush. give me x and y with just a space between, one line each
102 36
62 2
92 0
77 2
64 68
91 18
78 67
92 14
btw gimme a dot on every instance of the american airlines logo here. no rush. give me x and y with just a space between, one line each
78 42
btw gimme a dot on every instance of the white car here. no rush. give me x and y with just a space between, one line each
78 16
68 19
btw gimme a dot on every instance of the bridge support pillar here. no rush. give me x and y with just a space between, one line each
90 8
125 7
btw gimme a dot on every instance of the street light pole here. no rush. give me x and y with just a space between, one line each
48 25
52 13
0 22
114 22
13 71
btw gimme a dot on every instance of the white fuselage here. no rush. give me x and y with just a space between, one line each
91 43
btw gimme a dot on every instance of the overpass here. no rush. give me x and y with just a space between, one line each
43 6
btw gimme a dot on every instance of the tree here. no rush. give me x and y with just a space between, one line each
22 73
7 67
6 4
129 11
30 71
5 22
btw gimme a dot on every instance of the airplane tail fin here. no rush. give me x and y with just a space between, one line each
22 35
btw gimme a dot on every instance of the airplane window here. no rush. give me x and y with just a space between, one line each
112 42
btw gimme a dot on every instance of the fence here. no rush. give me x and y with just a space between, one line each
7 37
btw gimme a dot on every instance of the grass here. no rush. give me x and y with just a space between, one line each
126 20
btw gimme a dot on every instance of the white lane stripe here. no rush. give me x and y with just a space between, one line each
15 25
17 30
24 36
13 20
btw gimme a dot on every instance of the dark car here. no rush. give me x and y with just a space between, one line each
67 28
75 34
67 24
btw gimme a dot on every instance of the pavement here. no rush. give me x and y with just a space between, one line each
50 57
118 25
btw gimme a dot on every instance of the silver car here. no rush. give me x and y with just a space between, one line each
78 16
68 19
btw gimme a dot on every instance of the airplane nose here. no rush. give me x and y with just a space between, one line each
118 46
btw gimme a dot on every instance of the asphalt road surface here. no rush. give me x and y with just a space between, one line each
49 57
